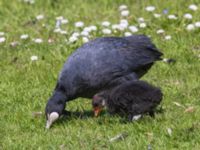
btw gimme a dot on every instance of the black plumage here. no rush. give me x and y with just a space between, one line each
102 64
129 99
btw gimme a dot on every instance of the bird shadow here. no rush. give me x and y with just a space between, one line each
86 114
78 115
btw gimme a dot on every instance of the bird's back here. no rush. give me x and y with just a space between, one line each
135 92
133 97
100 61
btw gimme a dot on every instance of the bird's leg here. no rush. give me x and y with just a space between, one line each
130 116
136 117
133 118
66 113
152 113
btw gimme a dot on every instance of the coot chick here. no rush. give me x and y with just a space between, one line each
129 99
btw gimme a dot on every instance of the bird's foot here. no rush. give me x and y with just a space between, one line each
136 117
66 113
132 118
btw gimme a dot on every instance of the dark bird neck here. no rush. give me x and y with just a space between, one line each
63 93
59 97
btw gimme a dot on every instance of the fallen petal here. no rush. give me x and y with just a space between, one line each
189 109
169 131
37 114
178 104
150 136
121 136
62 147
14 44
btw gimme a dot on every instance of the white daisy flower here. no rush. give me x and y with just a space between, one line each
58 23
50 40
63 32
79 24
190 27
76 34
85 33
160 31
85 39
168 37
59 18
43 25
122 7
149 36
187 16
105 23
172 17
193 7
142 25
106 31
14 44
124 21
127 34
2 39
34 58
197 24
40 17
157 15
24 36
87 29
140 20
38 40
73 39
124 13
115 26
93 28
150 8
31 1
133 29
122 27
57 30
2 33
64 21
123 24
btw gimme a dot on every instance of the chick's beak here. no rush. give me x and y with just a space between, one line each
97 111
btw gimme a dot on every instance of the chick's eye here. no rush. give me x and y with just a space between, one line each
95 104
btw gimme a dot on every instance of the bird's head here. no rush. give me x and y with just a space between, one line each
54 109
98 103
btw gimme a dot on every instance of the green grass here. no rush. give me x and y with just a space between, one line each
26 85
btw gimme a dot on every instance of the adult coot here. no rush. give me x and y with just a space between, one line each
99 65
129 99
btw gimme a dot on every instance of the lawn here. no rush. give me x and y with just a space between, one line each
35 42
